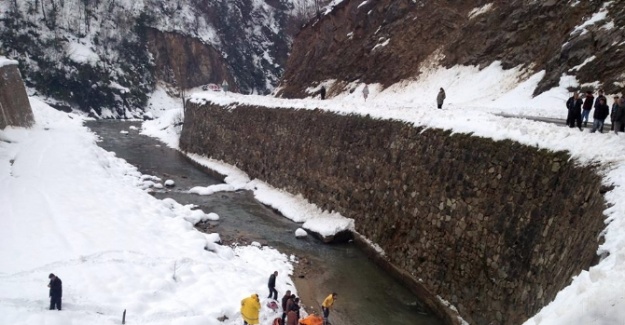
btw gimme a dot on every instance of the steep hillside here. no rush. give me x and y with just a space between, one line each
94 54
388 41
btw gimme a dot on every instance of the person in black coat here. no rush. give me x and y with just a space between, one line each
285 299
619 115
589 99
574 105
322 92
56 291
601 112
272 286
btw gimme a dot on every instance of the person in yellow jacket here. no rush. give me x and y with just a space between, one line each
250 308
326 306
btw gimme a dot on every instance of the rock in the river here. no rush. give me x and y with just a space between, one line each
170 183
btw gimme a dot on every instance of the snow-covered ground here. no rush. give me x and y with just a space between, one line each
70 208
475 98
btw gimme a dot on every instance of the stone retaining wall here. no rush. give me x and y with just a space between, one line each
15 108
495 228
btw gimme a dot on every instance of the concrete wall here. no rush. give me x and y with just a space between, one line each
495 228
15 108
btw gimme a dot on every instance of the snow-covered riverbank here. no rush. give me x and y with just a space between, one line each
72 209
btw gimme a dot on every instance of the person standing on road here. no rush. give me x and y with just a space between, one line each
614 108
601 112
440 98
327 305
272 286
56 291
619 115
250 309
587 107
574 105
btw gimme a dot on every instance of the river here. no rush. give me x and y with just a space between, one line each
366 294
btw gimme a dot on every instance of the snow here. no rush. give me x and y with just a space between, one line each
382 44
82 53
480 10
294 207
72 209
170 183
299 233
588 60
599 16
5 62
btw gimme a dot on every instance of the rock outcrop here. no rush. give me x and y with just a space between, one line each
388 41
15 108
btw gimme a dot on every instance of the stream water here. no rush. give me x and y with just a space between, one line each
366 294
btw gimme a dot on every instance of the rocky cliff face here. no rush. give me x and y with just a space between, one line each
388 41
105 56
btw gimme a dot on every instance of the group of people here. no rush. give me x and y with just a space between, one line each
579 107
250 306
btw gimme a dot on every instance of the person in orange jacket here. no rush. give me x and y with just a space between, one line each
250 309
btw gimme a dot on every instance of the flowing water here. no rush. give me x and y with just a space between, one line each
366 294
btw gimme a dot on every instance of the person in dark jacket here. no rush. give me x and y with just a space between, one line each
285 299
56 291
293 313
272 286
574 105
440 98
589 99
614 108
601 112
619 115
599 97
322 92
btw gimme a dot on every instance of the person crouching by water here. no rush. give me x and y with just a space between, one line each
574 105
56 291
326 306
250 309
440 98
601 112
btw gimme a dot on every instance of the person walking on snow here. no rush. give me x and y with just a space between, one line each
587 107
327 305
272 286
250 309
574 105
365 92
56 291
601 112
440 98
225 86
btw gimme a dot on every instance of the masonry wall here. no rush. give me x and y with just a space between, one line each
15 108
495 228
